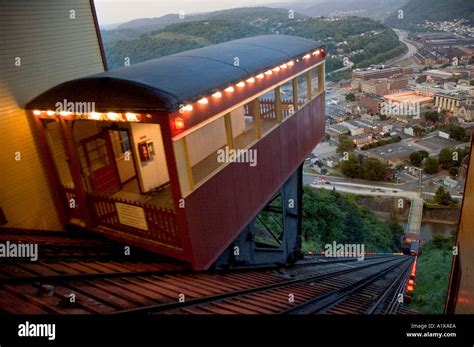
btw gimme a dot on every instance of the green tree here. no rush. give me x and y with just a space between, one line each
454 171
431 165
345 145
351 167
329 216
425 154
350 97
457 132
416 158
432 116
442 197
373 169
417 131
445 158
395 229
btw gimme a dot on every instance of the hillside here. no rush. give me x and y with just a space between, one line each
433 269
375 9
176 38
262 17
364 41
330 216
417 11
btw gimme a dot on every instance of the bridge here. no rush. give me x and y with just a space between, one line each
415 216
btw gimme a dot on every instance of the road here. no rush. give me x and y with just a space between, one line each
412 49
368 188
349 66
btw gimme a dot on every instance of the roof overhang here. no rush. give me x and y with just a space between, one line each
174 82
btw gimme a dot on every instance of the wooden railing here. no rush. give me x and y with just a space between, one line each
267 108
147 221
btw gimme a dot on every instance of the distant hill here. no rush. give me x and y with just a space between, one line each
176 38
376 9
417 11
261 17
364 41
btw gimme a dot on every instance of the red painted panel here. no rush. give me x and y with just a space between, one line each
218 210
265 165
312 133
293 143
307 130
211 222
284 150
276 165
227 201
300 131
241 192
252 175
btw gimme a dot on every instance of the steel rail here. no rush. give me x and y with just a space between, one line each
233 294
328 300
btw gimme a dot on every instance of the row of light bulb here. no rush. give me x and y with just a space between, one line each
251 80
112 116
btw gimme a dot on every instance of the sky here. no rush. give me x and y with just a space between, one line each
119 11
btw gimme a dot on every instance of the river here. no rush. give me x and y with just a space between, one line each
430 229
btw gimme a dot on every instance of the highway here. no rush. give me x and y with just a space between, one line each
360 187
412 49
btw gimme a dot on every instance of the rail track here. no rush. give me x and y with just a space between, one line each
307 294
83 274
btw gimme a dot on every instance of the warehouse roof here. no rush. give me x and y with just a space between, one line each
169 81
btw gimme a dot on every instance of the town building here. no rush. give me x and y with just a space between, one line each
440 76
353 129
361 139
371 102
358 76
465 112
384 86
449 102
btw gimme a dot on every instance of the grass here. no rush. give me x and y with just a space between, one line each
432 277
311 246
310 171
431 203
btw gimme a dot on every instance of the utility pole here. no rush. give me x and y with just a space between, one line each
420 178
